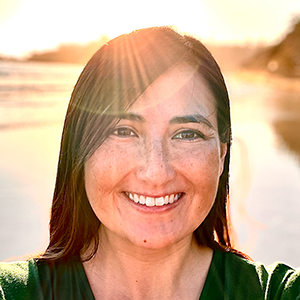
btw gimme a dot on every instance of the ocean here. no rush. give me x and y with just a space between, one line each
265 169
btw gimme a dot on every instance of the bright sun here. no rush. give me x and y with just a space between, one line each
27 25
42 25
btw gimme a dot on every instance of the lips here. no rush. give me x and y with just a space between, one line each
153 201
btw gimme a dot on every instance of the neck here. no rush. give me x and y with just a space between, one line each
129 272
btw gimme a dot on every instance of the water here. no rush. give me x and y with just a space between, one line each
265 173
34 94
265 169
33 101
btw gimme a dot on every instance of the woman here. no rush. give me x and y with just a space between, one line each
139 207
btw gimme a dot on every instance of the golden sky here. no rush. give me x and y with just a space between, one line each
38 24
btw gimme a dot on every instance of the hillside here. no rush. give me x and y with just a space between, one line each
283 58
231 57
70 53
228 57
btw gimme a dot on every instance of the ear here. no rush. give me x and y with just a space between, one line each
223 152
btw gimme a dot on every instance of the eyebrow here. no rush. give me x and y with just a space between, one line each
131 117
196 118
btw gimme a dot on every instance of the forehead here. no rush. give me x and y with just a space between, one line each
180 90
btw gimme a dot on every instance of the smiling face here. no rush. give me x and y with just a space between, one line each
154 179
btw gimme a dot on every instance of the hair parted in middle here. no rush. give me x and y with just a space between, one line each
113 79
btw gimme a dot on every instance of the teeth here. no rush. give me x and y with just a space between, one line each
135 198
150 201
166 200
171 200
142 200
130 196
159 201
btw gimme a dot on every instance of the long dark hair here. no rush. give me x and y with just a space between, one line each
113 79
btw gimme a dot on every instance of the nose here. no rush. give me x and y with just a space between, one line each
156 166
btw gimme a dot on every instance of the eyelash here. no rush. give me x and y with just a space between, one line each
128 132
124 132
196 135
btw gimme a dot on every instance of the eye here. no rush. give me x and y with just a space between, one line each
190 135
124 132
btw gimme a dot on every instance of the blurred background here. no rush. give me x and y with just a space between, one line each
43 48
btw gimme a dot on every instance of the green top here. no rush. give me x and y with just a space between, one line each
229 277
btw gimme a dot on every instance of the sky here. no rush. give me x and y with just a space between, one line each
33 25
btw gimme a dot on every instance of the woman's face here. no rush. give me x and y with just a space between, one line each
154 179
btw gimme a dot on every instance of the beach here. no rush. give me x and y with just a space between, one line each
33 102
265 170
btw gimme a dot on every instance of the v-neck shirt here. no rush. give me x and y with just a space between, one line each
229 277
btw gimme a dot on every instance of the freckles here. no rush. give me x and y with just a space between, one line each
191 164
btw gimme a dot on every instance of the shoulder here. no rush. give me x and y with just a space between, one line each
64 280
237 277
236 263
277 281
38 279
18 280
283 282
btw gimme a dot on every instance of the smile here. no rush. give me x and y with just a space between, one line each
151 201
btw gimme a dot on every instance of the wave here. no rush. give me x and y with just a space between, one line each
34 94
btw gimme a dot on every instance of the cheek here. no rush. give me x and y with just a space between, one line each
99 169
105 164
105 169
200 170
100 178
203 160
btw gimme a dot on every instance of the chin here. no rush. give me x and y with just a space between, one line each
155 241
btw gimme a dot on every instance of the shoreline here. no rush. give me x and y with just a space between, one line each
264 77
